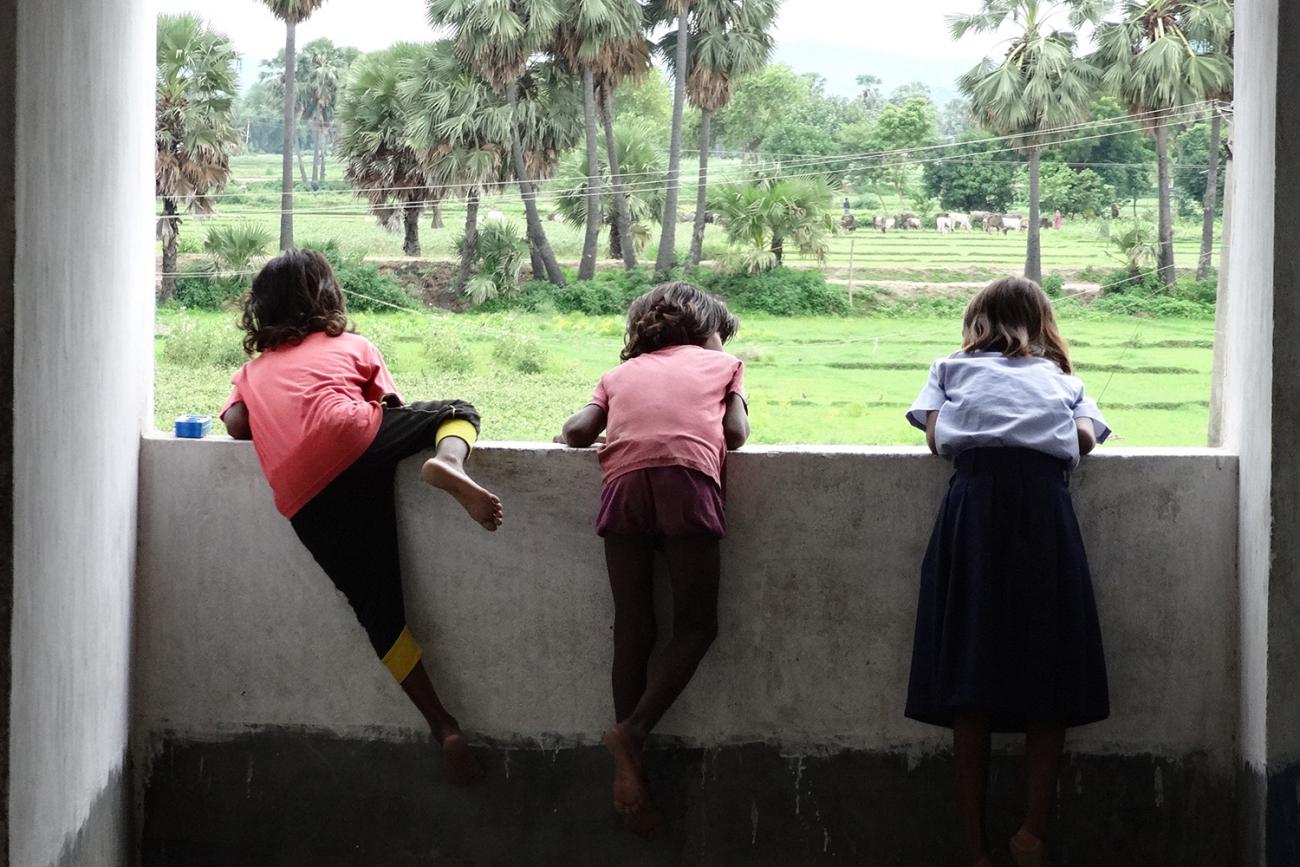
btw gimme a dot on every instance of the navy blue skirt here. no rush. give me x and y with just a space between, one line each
1006 625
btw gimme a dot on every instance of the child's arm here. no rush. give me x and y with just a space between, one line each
1087 435
583 427
931 421
735 423
236 420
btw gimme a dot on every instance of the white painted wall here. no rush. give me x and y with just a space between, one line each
238 629
1248 363
83 356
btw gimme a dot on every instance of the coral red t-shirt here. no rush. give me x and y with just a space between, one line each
314 408
665 408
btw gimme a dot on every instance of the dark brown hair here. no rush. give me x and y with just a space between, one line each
674 314
294 295
1014 316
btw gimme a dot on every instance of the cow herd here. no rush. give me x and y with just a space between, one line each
947 223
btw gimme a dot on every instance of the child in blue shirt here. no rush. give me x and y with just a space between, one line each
1007 635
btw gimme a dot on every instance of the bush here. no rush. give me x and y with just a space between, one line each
608 294
1122 281
780 291
446 349
1200 291
1054 285
198 287
522 354
188 344
367 290
502 253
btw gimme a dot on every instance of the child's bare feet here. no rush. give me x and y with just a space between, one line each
631 794
448 475
459 761
1027 850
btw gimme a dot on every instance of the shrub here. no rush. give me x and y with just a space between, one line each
1122 281
446 349
500 257
189 344
367 290
198 287
522 354
780 291
1054 285
236 245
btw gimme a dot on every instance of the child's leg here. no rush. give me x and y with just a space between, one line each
694 568
1044 744
970 754
446 470
630 561
462 767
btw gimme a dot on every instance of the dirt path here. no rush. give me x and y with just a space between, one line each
957 287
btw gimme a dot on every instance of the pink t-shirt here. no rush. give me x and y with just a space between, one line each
314 408
665 408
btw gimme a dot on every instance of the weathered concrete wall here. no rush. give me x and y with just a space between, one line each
8 129
244 647
83 153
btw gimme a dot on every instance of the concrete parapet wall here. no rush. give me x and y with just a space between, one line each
240 636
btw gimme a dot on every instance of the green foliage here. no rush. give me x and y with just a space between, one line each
520 353
1081 193
1189 176
980 177
767 214
641 160
1137 244
1120 153
501 253
187 344
1123 281
445 349
198 288
1054 285
236 245
779 291
365 289
610 292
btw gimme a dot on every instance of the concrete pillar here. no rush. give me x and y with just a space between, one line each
76 261
1262 408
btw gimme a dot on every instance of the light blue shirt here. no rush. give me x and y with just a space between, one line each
987 399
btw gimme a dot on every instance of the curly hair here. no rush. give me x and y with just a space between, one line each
294 295
1014 316
673 314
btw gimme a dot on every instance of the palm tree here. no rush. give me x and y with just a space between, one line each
381 164
496 39
591 40
322 73
1160 56
292 13
728 39
459 129
638 153
766 213
1038 85
679 10
193 134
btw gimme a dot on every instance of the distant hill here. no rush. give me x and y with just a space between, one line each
841 65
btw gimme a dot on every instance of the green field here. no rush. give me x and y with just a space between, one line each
810 380
334 214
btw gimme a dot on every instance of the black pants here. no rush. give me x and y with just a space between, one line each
351 526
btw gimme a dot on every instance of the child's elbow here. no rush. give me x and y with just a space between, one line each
736 433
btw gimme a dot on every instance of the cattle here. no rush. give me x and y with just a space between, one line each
980 217
849 223
993 223
1044 222
1013 223
555 217
909 221
944 224
494 217
959 221
884 224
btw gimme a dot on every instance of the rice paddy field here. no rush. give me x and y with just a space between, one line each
810 380
825 380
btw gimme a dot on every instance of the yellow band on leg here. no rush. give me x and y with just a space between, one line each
402 656
456 427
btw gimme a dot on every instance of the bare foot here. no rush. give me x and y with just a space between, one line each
458 760
631 794
1027 850
483 505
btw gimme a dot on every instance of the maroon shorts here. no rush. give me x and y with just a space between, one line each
663 502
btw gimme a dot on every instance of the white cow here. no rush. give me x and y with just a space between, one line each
495 217
944 224
1012 223
910 222
960 221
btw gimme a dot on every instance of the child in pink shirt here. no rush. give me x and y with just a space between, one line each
329 429
671 411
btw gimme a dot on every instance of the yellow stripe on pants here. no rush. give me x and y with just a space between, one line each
403 655
456 427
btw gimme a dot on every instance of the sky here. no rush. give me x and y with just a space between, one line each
838 39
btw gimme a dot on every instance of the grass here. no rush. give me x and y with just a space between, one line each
810 380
